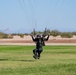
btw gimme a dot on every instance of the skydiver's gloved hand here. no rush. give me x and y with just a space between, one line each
31 35
44 35
48 35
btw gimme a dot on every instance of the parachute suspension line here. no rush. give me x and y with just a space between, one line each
29 4
21 4
24 8
44 33
62 5
26 12
34 32
56 7
48 16
51 12
21 7
24 2
35 24
35 15
34 21
60 8
31 19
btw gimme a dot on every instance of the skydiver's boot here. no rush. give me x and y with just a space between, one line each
38 56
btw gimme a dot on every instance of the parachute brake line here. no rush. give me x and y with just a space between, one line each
44 34
34 33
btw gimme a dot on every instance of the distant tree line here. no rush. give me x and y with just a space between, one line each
50 32
56 33
3 35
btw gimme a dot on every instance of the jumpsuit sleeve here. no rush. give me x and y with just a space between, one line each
46 39
33 38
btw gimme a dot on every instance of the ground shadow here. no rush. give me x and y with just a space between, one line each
26 60
17 60
3 59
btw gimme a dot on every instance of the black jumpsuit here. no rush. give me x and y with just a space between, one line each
39 43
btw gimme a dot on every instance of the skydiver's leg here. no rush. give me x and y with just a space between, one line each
35 53
39 52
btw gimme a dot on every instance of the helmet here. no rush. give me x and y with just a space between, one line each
38 35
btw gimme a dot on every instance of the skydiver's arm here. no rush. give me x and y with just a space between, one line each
46 39
33 38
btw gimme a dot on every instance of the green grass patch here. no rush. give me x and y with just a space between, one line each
55 60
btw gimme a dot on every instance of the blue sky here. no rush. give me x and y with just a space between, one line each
21 16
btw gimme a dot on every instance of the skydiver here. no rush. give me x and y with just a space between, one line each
39 40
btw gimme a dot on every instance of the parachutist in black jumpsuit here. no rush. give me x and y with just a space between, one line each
39 43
